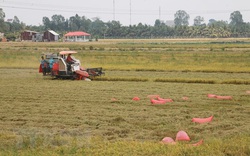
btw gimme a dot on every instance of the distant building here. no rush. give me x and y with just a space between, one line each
170 23
9 20
38 37
77 36
28 35
50 36
34 36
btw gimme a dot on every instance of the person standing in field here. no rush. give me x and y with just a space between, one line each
44 65
51 62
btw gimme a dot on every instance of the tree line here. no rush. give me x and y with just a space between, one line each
114 29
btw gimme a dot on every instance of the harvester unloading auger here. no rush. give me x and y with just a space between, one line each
67 67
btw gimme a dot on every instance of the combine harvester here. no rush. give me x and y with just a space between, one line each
65 69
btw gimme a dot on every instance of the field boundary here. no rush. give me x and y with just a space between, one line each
152 70
184 71
172 80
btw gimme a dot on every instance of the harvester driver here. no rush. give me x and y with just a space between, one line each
70 60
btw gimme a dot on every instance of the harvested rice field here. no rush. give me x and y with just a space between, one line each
44 116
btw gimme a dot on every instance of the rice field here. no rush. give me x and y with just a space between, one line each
41 116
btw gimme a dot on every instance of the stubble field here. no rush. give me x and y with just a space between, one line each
41 116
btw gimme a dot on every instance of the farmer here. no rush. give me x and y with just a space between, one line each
44 65
69 59
51 62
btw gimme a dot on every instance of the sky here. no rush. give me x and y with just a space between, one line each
127 12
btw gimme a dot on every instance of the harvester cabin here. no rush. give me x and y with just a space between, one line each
77 36
50 36
28 35
62 62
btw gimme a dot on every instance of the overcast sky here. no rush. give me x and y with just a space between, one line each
127 12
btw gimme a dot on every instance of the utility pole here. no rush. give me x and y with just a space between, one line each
159 13
130 11
114 10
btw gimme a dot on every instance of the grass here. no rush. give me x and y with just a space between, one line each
186 81
41 116
119 79
99 147
166 55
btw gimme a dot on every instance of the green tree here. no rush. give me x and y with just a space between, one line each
98 28
17 25
124 31
46 23
143 31
85 24
238 27
2 14
39 28
211 21
218 29
16 20
157 23
57 22
181 18
159 29
147 31
66 25
198 31
236 18
2 24
131 31
75 23
113 29
198 20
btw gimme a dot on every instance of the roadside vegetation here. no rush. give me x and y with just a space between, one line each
41 116
182 27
